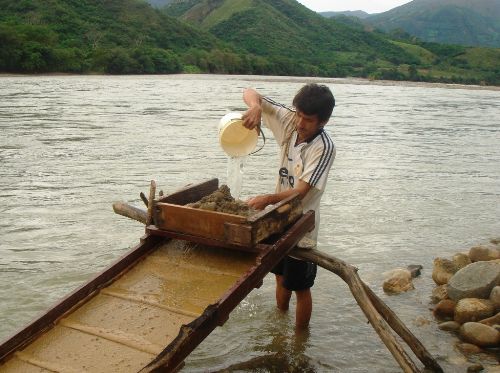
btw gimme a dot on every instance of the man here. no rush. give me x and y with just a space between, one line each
307 154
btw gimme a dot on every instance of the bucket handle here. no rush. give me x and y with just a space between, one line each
263 143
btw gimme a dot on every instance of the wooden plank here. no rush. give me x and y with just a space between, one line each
47 319
204 223
202 240
191 193
277 219
238 234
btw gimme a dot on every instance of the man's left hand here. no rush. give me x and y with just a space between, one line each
259 202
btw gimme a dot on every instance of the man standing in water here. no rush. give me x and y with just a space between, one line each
307 154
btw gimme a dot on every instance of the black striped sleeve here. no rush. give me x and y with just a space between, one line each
324 161
272 102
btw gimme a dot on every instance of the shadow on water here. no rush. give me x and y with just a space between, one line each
284 352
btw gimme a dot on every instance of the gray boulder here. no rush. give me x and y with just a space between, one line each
461 260
449 326
468 348
473 309
484 253
398 282
415 270
439 293
480 334
474 281
495 297
443 270
492 321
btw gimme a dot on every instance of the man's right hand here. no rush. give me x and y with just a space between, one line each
252 117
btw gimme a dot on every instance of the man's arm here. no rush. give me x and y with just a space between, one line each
260 202
253 116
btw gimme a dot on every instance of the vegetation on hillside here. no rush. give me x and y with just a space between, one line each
273 37
112 36
296 41
464 22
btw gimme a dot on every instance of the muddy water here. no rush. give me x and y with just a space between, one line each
416 176
235 174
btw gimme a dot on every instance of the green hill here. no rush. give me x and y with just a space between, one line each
348 13
114 36
475 23
297 40
159 3
273 37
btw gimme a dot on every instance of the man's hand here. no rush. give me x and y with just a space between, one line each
259 202
252 117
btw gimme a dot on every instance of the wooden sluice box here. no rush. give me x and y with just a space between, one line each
172 218
147 311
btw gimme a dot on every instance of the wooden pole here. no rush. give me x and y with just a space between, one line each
373 307
399 327
129 211
144 198
152 194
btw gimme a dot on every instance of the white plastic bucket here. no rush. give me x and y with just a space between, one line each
234 138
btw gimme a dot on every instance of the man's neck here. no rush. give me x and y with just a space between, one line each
300 140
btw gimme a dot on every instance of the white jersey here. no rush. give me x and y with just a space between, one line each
309 161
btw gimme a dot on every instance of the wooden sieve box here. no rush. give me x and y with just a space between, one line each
172 218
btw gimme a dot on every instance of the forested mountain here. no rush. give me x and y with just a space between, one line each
115 36
159 3
349 13
299 40
462 22
273 37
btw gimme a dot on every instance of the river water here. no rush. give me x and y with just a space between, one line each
417 175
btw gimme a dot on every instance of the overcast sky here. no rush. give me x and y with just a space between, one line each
369 6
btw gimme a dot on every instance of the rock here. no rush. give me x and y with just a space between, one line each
480 334
474 281
415 270
491 321
483 253
461 260
398 282
421 321
495 297
473 309
443 270
439 293
495 241
449 326
445 309
474 368
468 348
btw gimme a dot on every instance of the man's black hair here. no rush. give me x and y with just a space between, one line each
315 99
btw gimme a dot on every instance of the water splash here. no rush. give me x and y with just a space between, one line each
235 175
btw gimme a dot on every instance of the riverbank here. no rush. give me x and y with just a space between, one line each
292 79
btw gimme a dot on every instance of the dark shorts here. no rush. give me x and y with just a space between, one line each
297 274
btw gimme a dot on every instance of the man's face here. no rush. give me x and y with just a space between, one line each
307 125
